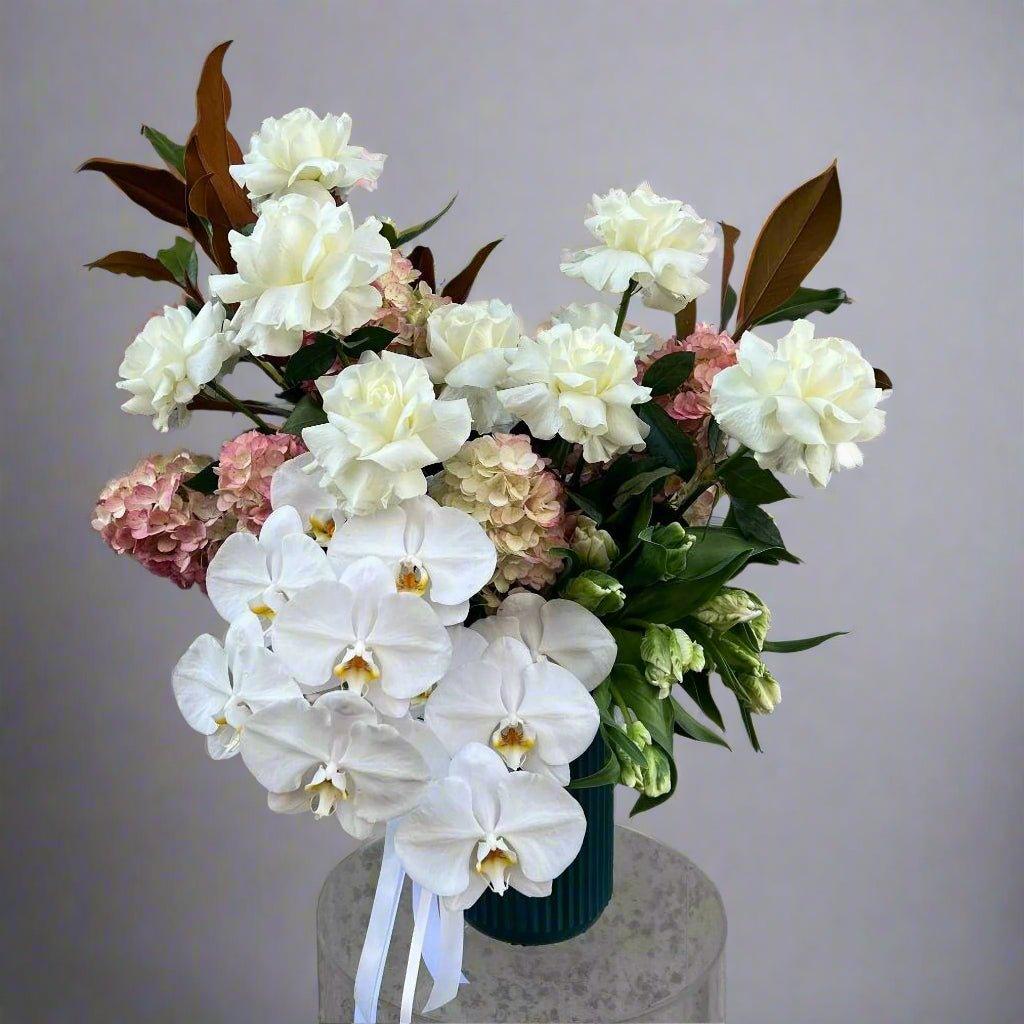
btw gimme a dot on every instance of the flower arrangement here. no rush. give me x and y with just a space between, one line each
466 553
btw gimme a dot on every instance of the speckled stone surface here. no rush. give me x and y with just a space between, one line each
656 954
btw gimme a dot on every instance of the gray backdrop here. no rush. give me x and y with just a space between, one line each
870 860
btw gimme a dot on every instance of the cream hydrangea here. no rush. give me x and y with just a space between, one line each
303 147
801 407
306 266
470 347
384 425
170 360
660 243
578 384
600 314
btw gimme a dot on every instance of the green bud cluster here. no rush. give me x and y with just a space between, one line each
596 591
667 655
596 548
678 541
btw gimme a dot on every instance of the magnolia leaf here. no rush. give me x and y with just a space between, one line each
667 441
805 301
753 522
882 380
586 506
180 260
792 646
306 413
458 288
172 154
422 259
387 229
667 374
686 320
312 361
607 775
728 304
133 264
153 188
795 236
408 234
728 294
687 725
368 339
638 484
205 481
746 480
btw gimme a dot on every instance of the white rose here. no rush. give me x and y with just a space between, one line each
170 360
307 266
384 426
303 147
470 347
578 384
801 407
661 243
597 314
260 339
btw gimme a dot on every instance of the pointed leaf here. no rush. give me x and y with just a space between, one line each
728 300
306 413
805 301
668 374
753 522
368 339
882 380
205 481
180 260
728 305
794 237
607 775
172 154
698 686
667 441
748 724
457 289
133 264
687 725
312 361
153 188
792 646
422 260
408 234
746 480
686 320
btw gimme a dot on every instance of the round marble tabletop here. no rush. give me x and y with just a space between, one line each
657 953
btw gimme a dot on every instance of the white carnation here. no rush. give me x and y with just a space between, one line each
578 384
597 314
307 266
303 147
661 243
470 347
170 360
802 406
384 426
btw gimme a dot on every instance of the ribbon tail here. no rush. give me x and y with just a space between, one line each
379 929
412 967
448 975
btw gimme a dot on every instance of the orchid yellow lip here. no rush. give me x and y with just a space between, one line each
412 578
513 739
495 858
263 610
356 670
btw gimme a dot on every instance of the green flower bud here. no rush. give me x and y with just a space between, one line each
760 623
668 654
742 660
596 591
678 541
595 547
658 773
729 607
759 692
631 775
638 733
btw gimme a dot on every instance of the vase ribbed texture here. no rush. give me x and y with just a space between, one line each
579 894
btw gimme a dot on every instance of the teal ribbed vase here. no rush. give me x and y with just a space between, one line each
579 894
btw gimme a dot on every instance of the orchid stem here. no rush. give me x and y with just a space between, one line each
239 405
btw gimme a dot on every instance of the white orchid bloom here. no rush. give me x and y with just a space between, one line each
297 483
535 714
360 632
218 688
438 553
261 574
333 758
561 631
303 147
482 826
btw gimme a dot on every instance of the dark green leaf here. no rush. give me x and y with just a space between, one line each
669 373
639 484
667 441
313 360
569 556
585 505
805 301
387 229
408 234
730 236
458 288
368 339
608 775
669 602
205 481
171 153
622 746
792 646
632 689
305 414
728 304
756 524
698 686
687 725
645 803
602 695
748 724
180 259
745 479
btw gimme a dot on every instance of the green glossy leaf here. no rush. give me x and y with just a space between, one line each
728 304
639 484
630 687
748 724
805 301
668 603
687 725
792 646
745 479
730 236
368 339
698 686
586 506
389 232
408 234
205 481
180 260
669 373
667 441
608 775
313 360
305 414
171 153
754 523
622 746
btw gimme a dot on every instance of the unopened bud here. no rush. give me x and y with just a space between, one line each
597 592
595 547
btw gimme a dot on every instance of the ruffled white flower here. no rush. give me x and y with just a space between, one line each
170 360
296 483
384 425
536 715
333 758
440 554
218 688
260 339
470 348
483 826
260 575
578 384
361 633
303 147
558 630
660 243
802 406
307 266
599 314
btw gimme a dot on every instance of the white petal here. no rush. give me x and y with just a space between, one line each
578 641
465 707
559 709
237 575
313 629
458 555
483 770
201 683
283 741
410 644
281 523
388 772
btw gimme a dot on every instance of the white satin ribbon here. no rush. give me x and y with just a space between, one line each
412 967
442 950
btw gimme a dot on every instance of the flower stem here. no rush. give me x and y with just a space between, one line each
271 371
237 403
623 306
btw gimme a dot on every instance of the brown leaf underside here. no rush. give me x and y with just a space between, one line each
457 289
153 188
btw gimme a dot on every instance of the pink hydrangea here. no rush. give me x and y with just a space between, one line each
243 476
149 516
